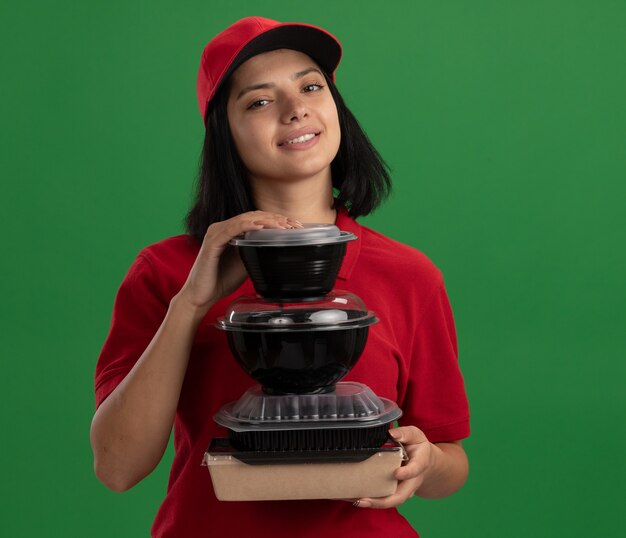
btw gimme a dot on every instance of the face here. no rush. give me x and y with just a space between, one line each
283 118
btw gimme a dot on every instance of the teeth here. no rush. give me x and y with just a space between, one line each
300 139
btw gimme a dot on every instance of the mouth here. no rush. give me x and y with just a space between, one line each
299 139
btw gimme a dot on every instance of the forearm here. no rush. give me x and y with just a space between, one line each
448 473
131 428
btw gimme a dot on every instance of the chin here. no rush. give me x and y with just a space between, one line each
293 171
303 174
304 168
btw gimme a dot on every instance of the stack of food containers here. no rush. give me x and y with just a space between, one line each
300 433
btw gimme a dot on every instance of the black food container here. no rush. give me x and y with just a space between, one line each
288 264
352 417
297 348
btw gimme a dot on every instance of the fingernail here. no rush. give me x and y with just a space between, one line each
395 434
364 504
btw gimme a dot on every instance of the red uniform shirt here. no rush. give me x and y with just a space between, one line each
410 357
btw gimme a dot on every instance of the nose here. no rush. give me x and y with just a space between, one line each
294 110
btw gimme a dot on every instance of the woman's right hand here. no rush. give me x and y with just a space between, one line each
131 428
218 271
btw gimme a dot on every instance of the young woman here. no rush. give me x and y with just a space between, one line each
281 148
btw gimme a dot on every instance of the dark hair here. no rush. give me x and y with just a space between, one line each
360 176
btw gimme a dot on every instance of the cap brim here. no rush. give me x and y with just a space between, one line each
312 41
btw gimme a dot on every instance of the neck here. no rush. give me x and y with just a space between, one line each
308 200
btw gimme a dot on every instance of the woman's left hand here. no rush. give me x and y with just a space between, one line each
411 475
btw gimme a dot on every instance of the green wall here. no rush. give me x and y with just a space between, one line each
505 127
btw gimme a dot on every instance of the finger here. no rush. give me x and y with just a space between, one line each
355 502
417 461
221 235
262 214
218 235
273 223
412 469
255 215
405 491
234 225
409 435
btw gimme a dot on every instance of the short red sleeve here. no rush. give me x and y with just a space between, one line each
435 398
137 315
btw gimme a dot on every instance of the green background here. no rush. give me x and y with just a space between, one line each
504 124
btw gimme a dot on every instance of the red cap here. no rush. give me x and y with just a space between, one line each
254 35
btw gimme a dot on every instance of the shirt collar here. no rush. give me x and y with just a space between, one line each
347 224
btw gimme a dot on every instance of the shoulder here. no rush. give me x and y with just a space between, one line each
173 250
165 265
400 262
399 282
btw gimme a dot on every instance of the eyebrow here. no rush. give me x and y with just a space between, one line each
270 85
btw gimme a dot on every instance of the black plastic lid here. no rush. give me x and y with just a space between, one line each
337 310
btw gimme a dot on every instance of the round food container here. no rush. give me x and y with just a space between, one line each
301 347
293 263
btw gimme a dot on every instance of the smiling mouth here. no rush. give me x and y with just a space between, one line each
299 139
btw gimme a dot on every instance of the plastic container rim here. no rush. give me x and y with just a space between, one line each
366 321
343 237
392 412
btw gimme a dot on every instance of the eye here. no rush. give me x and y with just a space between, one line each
259 103
312 88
